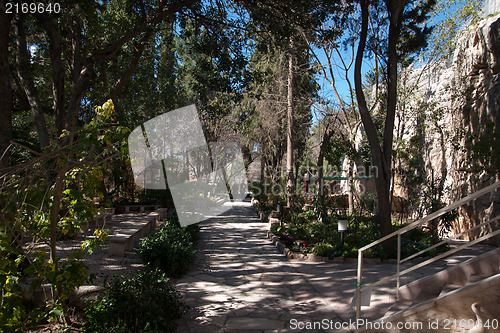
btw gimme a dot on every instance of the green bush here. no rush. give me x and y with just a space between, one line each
362 230
323 249
322 232
170 249
148 302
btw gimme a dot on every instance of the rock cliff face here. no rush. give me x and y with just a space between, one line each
449 132
491 7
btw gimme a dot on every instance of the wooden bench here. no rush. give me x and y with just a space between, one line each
140 207
134 229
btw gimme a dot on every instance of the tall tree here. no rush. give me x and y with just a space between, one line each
406 34
82 37
265 105
5 88
284 20
289 123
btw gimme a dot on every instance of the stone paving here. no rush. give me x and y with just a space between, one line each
240 282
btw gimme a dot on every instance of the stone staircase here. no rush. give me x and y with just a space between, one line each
450 300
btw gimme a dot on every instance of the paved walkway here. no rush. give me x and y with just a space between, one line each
240 282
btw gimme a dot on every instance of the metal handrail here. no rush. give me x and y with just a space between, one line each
398 233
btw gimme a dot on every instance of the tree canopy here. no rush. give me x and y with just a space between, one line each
76 81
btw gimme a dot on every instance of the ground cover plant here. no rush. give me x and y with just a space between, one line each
170 248
306 233
147 302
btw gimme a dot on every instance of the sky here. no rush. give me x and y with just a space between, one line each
447 10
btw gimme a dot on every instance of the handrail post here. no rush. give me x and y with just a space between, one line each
398 266
358 284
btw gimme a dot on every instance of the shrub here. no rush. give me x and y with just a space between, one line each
322 232
170 249
148 302
323 249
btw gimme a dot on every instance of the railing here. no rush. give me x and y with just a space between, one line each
414 225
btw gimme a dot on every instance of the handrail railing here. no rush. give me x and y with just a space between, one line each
414 225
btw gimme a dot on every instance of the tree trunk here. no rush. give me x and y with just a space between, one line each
5 96
289 141
55 51
382 181
23 70
321 158
350 186
132 66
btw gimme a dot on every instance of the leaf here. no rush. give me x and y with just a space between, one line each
56 312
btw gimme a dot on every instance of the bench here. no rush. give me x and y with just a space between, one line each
132 230
140 207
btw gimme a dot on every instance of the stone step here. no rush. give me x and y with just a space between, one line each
457 302
431 285
132 230
477 268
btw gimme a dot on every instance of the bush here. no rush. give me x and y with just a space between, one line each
323 249
148 302
170 249
361 231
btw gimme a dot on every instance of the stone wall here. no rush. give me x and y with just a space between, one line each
447 102
491 7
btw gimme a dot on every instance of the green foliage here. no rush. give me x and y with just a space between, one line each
451 16
262 106
323 249
337 149
323 238
148 302
484 147
170 249
194 231
74 173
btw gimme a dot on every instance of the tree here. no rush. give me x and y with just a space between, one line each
83 36
289 123
5 88
323 44
266 103
406 35
284 20
63 63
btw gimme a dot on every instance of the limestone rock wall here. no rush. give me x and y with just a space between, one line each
448 102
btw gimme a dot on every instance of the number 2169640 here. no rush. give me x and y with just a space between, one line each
32 8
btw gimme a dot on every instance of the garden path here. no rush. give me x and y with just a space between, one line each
239 282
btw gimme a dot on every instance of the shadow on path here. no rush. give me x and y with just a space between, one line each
239 282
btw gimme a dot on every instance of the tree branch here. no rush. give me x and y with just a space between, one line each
132 66
55 51
27 82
